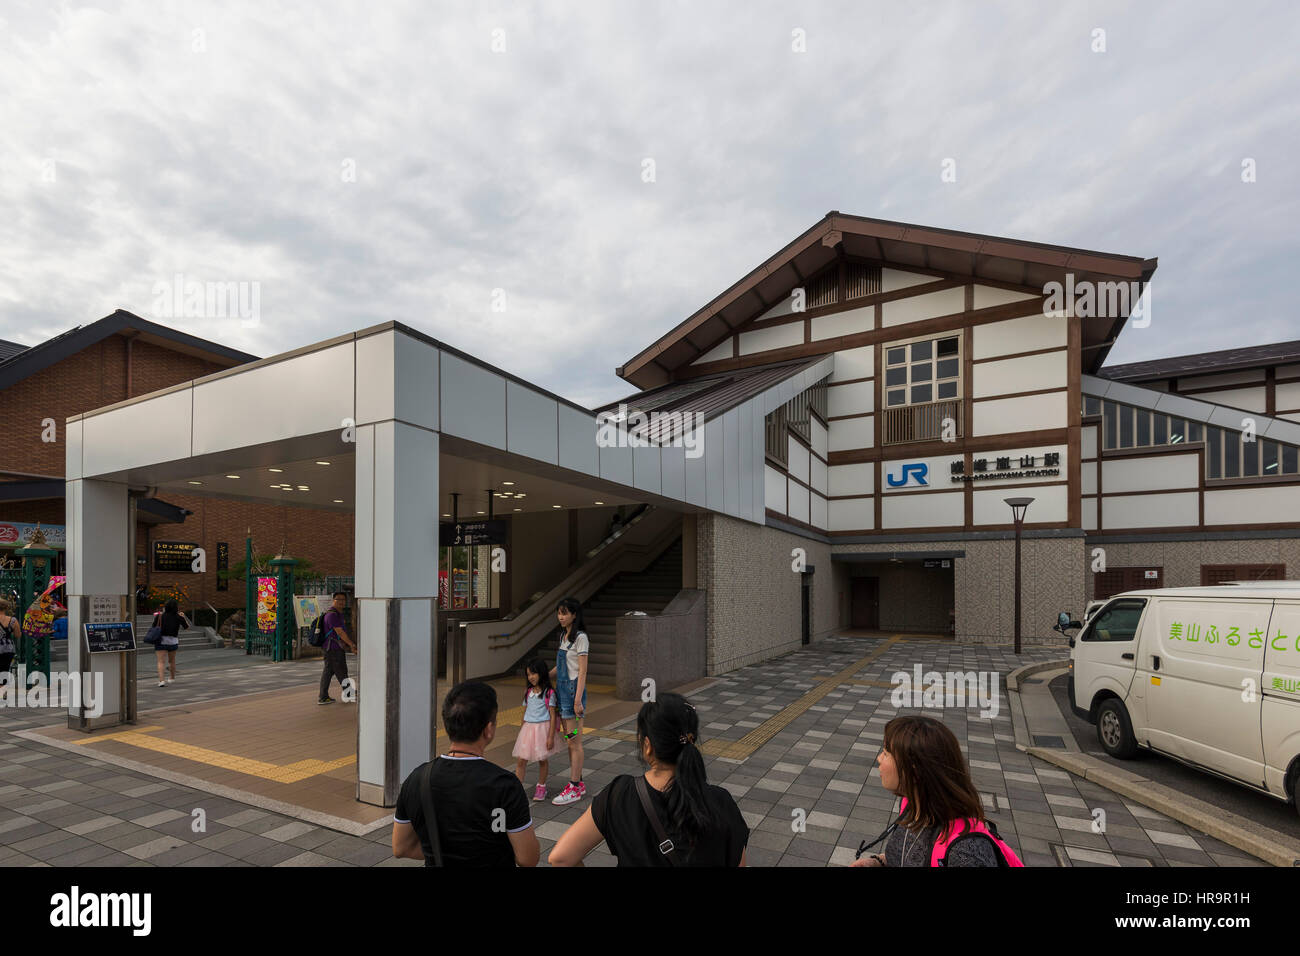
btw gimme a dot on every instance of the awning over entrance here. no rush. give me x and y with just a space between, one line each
390 423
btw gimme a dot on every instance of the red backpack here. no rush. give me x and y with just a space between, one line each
965 830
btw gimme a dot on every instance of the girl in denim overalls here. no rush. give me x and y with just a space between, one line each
570 677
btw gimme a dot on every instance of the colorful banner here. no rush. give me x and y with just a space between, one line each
266 604
17 534
39 619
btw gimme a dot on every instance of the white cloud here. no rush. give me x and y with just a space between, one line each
521 170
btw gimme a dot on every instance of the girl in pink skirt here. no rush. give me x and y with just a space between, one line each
537 735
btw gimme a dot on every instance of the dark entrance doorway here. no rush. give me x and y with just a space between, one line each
806 580
865 611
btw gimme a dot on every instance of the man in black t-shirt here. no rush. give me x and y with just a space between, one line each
482 813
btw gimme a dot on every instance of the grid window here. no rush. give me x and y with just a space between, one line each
921 372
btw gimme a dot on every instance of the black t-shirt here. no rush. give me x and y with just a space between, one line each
468 792
630 836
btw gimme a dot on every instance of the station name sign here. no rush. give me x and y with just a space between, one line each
469 533
1006 466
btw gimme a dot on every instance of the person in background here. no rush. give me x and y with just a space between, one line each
61 624
570 677
536 740
336 638
11 633
170 621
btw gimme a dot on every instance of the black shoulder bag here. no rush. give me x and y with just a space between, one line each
430 820
666 846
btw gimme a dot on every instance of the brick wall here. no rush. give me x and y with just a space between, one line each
324 538
96 376
1182 560
754 600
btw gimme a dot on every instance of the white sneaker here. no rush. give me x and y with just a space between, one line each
162 683
170 679
570 794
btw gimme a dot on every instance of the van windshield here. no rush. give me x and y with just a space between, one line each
1118 621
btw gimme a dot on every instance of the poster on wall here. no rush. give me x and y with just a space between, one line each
266 604
308 607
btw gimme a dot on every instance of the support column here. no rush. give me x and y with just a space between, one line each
99 562
396 591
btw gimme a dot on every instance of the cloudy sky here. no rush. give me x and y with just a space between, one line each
375 161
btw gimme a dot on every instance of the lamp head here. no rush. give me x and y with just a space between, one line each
1018 507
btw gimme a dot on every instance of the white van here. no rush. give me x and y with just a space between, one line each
1208 675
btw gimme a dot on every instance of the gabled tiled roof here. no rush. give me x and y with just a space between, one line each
898 244
25 362
1227 360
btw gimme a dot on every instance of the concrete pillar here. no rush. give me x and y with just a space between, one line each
396 591
98 520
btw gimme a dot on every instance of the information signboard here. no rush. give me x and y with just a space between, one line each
112 637
173 556
468 533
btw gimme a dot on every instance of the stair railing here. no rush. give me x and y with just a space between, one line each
493 646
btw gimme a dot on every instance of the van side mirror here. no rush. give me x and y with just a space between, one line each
1065 623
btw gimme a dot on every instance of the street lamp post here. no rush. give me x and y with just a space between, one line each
1018 508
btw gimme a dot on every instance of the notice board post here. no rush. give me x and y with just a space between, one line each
106 633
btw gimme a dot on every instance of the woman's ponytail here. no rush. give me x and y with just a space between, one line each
672 727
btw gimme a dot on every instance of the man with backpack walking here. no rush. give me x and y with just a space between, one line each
332 629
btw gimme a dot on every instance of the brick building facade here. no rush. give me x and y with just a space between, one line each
116 358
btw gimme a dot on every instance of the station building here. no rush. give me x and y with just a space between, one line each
826 444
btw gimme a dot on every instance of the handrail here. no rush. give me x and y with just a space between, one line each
609 541
581 582
582 577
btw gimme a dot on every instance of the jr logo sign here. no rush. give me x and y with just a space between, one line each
914 470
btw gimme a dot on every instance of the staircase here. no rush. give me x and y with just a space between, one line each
649 590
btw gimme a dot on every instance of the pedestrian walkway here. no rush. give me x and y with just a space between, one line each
794 740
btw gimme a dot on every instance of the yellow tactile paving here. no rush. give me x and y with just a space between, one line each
746 745
288 773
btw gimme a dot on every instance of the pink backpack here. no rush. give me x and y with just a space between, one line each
963 830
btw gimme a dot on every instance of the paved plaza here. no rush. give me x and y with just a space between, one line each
794 740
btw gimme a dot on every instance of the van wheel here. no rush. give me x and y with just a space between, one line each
1114 731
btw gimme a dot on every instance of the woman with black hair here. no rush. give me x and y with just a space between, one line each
570 678
671 816
171 621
